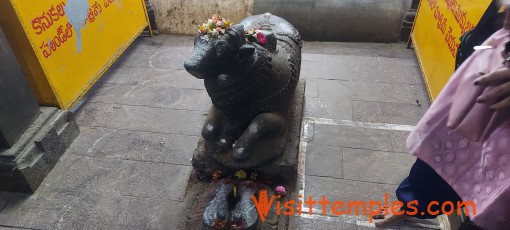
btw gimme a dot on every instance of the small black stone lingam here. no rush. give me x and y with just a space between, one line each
250 71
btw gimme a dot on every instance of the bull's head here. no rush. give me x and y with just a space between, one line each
214 56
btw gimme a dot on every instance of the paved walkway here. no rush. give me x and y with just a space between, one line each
130 165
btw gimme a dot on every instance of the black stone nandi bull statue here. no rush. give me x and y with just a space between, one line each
251 83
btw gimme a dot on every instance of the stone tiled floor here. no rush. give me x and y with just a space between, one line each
140 123
362 101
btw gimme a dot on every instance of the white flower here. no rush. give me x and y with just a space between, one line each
215 33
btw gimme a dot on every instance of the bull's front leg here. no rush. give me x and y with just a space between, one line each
213 125
263 125
217 130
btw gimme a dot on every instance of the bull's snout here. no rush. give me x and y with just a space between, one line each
192 68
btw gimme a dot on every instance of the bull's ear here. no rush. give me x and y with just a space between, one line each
246 51
238 28
222 47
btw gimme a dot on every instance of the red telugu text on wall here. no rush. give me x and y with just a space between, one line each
445 28
65 31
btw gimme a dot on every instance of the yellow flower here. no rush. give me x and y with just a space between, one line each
240 174
226 23
202 29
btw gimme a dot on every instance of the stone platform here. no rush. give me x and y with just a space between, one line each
282 171
24 166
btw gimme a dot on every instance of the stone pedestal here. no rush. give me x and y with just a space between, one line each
24 166
282 171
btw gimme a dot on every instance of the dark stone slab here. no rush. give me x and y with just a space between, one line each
325 223
388 112
60 209
312 47
312 88
166 42
324 70
125 212
335 90
404 93
398 140
374 72
133 57
150 147
400 52
141 118
156 180
332 108
10 228
376 166
390 62
108 93
119 177
154 94
346 190
352 137
166 96
312 57
4 198
324 161
88 174
171 77
25 165
170 60
37 211
118 75
91 140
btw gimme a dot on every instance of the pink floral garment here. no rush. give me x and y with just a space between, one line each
479 172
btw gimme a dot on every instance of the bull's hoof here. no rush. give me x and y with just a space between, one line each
241 154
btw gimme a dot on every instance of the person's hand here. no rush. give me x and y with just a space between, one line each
498 97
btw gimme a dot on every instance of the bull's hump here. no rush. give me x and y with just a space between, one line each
277 24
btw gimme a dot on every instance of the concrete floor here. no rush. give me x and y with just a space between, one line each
130 165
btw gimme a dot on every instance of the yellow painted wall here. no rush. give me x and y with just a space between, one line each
64 46
438 27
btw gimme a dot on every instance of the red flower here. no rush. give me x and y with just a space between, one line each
262 39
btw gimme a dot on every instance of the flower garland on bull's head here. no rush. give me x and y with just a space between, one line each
216 26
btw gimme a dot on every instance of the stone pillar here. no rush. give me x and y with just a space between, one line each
32 138
18 108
